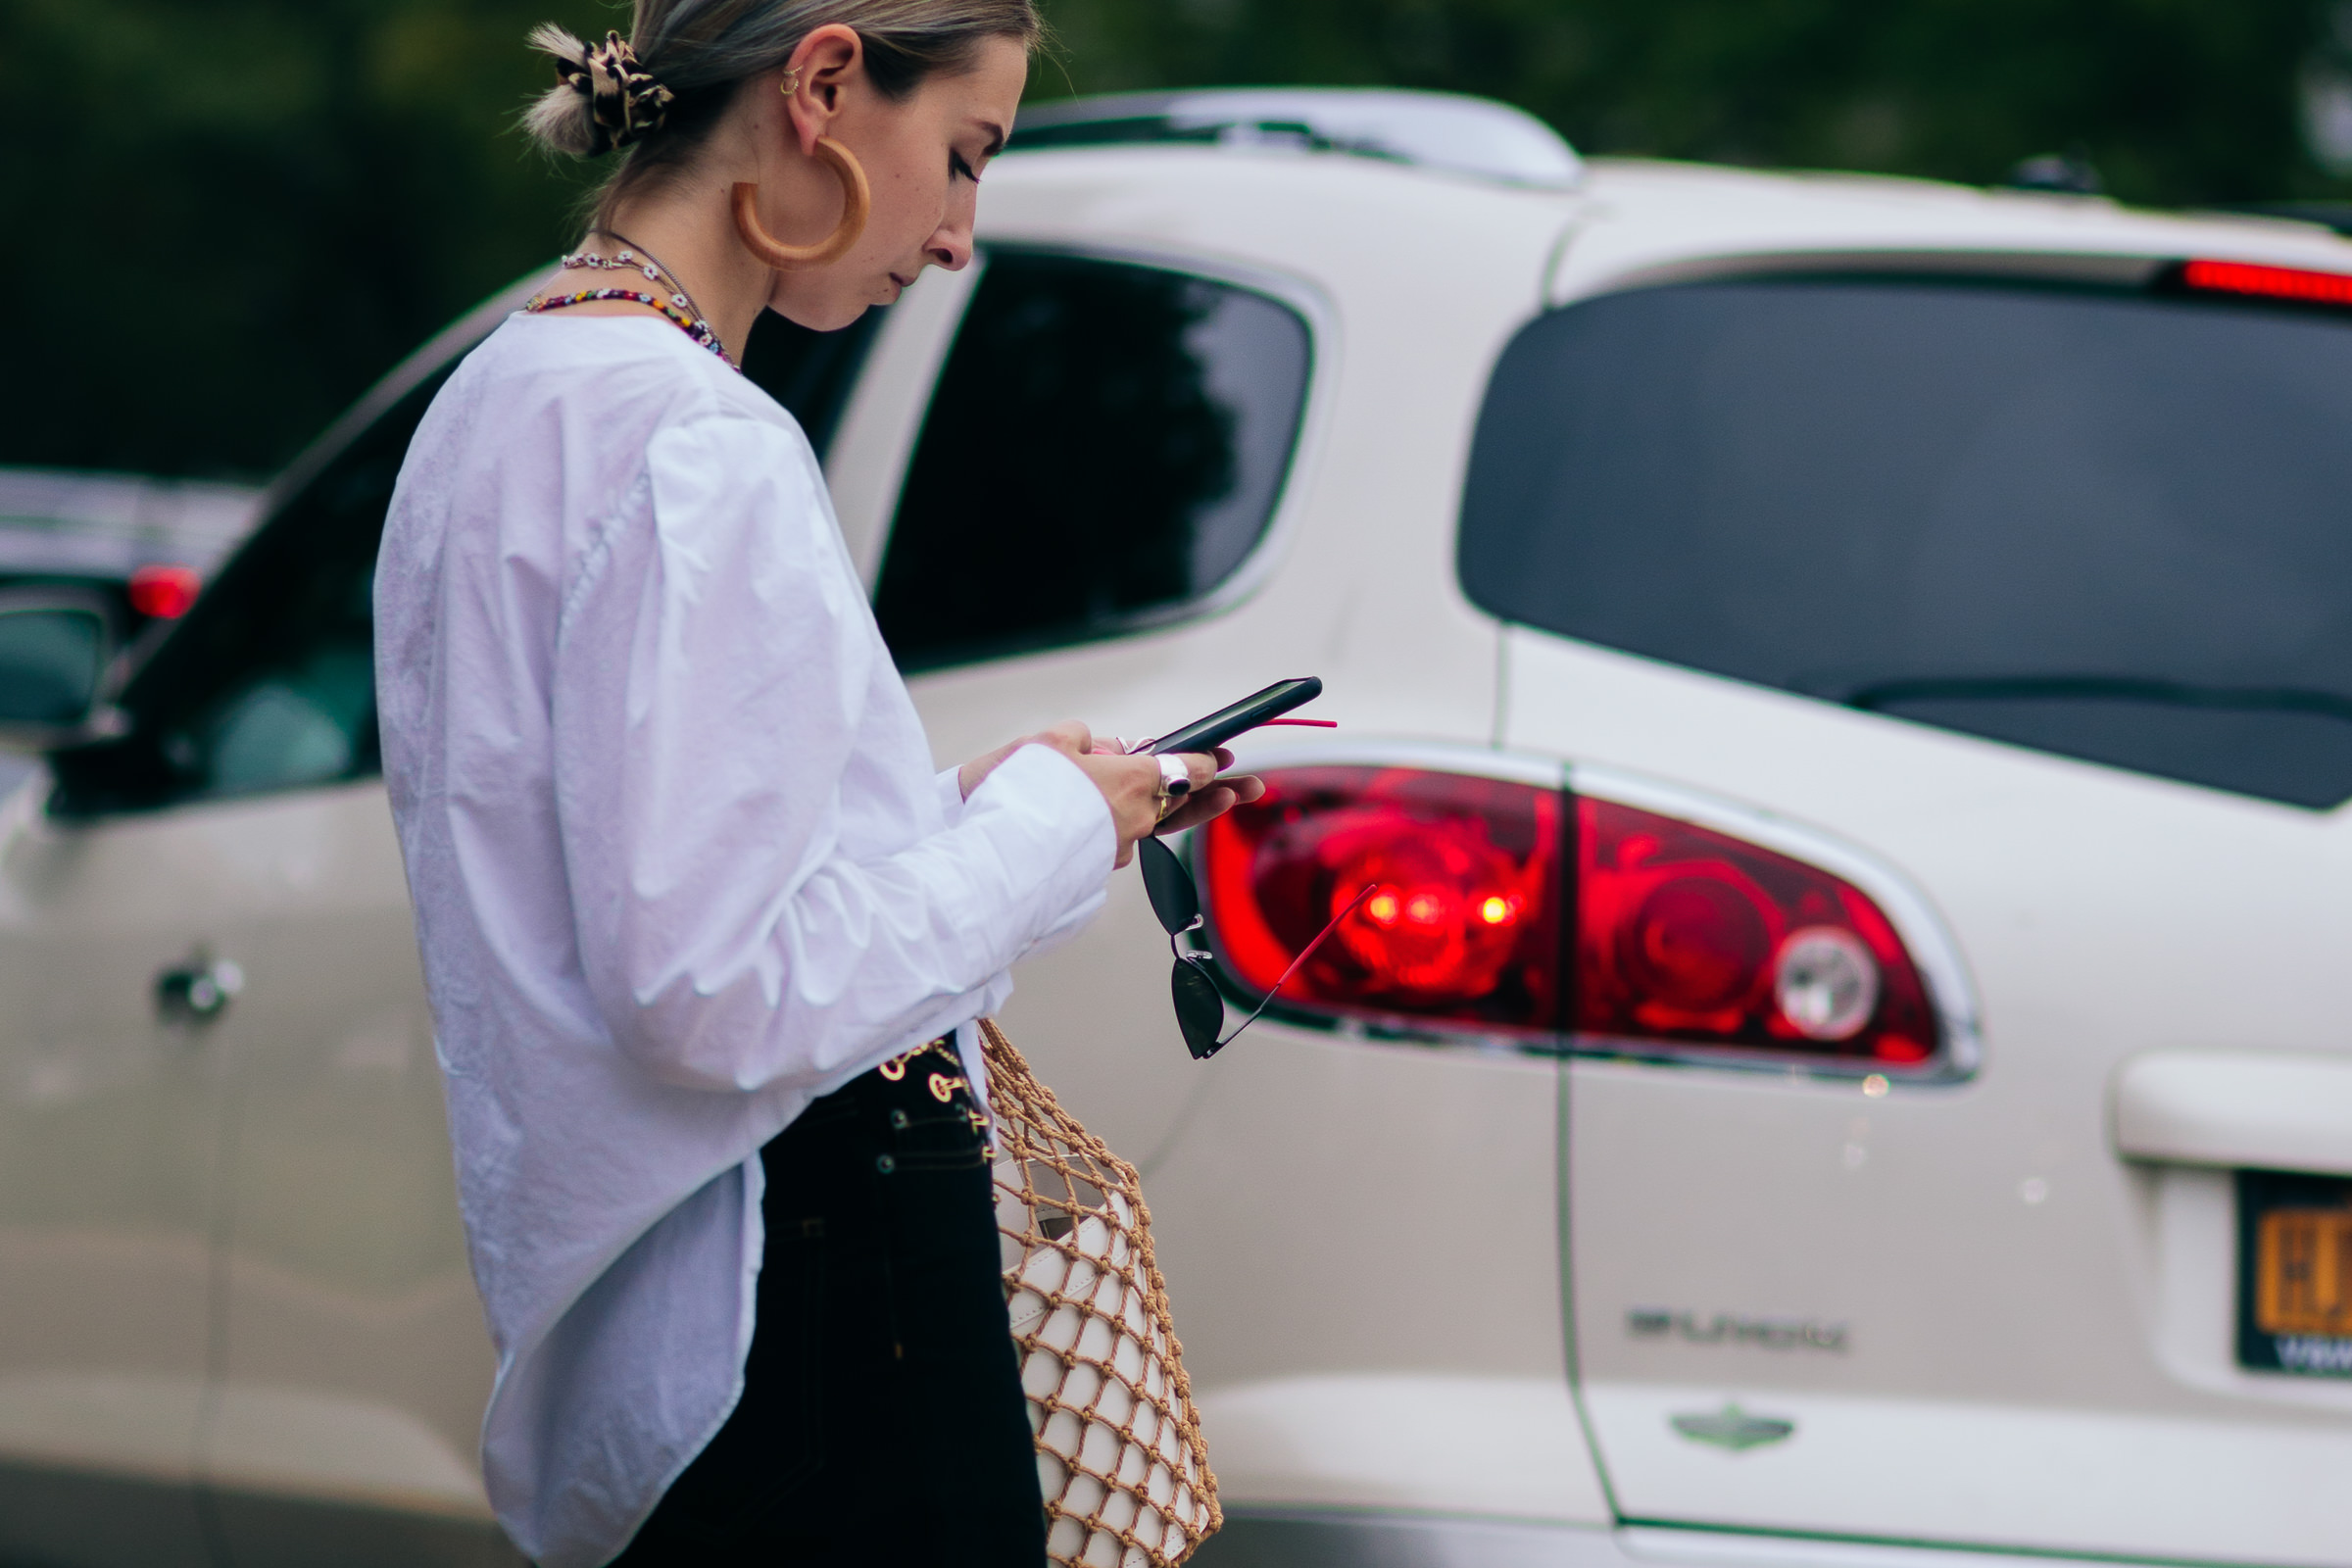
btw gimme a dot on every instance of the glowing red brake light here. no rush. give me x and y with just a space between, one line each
2268 282
164 592
1685 934
1462 921
1677 935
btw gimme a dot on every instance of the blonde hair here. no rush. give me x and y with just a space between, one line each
702 51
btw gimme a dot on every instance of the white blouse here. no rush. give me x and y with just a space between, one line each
680 865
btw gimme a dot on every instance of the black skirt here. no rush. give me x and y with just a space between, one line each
882 1420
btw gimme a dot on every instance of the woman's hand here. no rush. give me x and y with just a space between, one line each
1130 785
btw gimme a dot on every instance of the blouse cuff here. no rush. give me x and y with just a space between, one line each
1075 845
949 785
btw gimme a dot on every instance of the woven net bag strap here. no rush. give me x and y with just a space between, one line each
1033 1125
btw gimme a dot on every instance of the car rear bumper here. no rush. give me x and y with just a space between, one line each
1320 1539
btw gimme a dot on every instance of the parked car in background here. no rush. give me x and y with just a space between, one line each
127 552
1843 688
144 544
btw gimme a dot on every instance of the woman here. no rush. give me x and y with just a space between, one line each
704 934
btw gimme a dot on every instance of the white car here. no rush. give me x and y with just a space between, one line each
1843 689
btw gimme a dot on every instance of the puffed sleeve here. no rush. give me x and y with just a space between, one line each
714 660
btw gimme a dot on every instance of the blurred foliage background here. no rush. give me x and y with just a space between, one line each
230 215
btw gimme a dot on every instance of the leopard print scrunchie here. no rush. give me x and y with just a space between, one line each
624 103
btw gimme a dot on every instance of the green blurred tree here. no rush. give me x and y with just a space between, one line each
2176 101
210 195
211 200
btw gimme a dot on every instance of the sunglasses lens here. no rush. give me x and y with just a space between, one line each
1170 886
1199 1010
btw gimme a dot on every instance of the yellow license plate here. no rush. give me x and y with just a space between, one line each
2303 1272
2295 1274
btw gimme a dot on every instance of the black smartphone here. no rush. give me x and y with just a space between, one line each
1207 734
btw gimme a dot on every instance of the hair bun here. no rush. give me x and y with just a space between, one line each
603 99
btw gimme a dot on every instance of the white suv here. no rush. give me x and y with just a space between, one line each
1843 690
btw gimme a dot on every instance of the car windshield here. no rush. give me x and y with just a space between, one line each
2110 524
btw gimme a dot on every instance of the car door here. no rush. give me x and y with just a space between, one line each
2016 617
345 1363
1101 558
1099 467
110 1152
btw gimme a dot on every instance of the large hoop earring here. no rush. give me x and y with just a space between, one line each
856 201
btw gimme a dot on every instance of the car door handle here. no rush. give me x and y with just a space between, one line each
198 991
2237 1110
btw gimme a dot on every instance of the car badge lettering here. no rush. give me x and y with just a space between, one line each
1732 1327
1733 1429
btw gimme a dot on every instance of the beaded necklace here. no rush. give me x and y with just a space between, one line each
633 258
679 306
694 326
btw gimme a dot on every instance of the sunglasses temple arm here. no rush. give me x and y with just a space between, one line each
1304 953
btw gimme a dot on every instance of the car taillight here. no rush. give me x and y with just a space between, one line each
164 592
1689 935
2297 283
1463 922
1676 936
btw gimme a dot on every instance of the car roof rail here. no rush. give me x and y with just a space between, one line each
1438 131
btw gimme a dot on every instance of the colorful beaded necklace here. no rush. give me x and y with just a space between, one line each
679 306
694 326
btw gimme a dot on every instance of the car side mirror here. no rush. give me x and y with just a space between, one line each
56 650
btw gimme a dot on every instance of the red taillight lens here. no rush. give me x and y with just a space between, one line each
1463 922
2268 282
1684 936
164 592
1689 935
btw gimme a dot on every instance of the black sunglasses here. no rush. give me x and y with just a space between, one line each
1200 1005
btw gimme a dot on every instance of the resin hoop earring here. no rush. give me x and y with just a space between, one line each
857 202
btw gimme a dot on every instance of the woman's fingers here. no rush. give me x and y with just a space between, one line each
1199 766
1214 801
1068 736
1130 787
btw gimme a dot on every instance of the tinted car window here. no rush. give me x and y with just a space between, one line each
1106 442
50 659
2110 525
269 682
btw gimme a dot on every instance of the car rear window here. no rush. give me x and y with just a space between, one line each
2107 524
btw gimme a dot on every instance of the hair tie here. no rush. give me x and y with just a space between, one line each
625 104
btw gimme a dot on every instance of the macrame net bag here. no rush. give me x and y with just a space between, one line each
1119 1453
